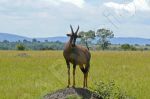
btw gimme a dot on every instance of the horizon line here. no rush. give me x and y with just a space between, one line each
66 36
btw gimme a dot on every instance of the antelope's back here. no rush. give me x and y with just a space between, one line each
78 54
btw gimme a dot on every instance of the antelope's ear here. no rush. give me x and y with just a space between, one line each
68 34
79 36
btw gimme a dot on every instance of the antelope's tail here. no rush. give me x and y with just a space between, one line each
87 46
87 67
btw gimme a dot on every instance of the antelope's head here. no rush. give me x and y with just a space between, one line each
73 36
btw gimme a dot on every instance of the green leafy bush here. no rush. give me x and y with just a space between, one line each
110 91
20 47
128 47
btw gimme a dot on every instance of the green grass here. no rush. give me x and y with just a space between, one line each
36 73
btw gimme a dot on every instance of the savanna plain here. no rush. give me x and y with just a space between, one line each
33 74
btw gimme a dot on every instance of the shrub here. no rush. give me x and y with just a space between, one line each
125 46
128 47
20 47
133 48
110 91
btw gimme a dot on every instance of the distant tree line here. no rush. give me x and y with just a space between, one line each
31 45
28 45
99 40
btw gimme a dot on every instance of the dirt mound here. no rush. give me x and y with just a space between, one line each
23 55
71 92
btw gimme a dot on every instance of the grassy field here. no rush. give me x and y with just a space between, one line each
32 74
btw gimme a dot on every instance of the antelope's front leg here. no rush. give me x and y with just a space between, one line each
74 69
68 77
68 66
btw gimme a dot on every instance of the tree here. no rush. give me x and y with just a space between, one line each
87 37
25 41
46 41
20 47
5 41
34 40
104 35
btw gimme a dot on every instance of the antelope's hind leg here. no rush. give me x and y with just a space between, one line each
85 85
86 76
83 70
87 67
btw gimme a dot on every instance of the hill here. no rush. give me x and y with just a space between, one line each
130 40
12 37
52 39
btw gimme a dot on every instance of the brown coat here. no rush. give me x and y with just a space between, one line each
78 54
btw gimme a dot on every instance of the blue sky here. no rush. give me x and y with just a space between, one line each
47 18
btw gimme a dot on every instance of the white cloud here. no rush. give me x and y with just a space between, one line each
40 3
140 5
79 3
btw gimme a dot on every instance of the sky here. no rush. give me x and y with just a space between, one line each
49 18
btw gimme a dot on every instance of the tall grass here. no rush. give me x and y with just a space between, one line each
32 74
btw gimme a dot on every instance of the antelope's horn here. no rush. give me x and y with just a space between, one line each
77 30
71 29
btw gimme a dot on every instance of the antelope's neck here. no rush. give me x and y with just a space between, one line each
69 45
70 42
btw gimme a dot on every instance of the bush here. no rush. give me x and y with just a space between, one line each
110 91
133 48
128 47
20 47
125 47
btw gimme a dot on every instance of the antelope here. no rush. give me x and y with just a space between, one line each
77 55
